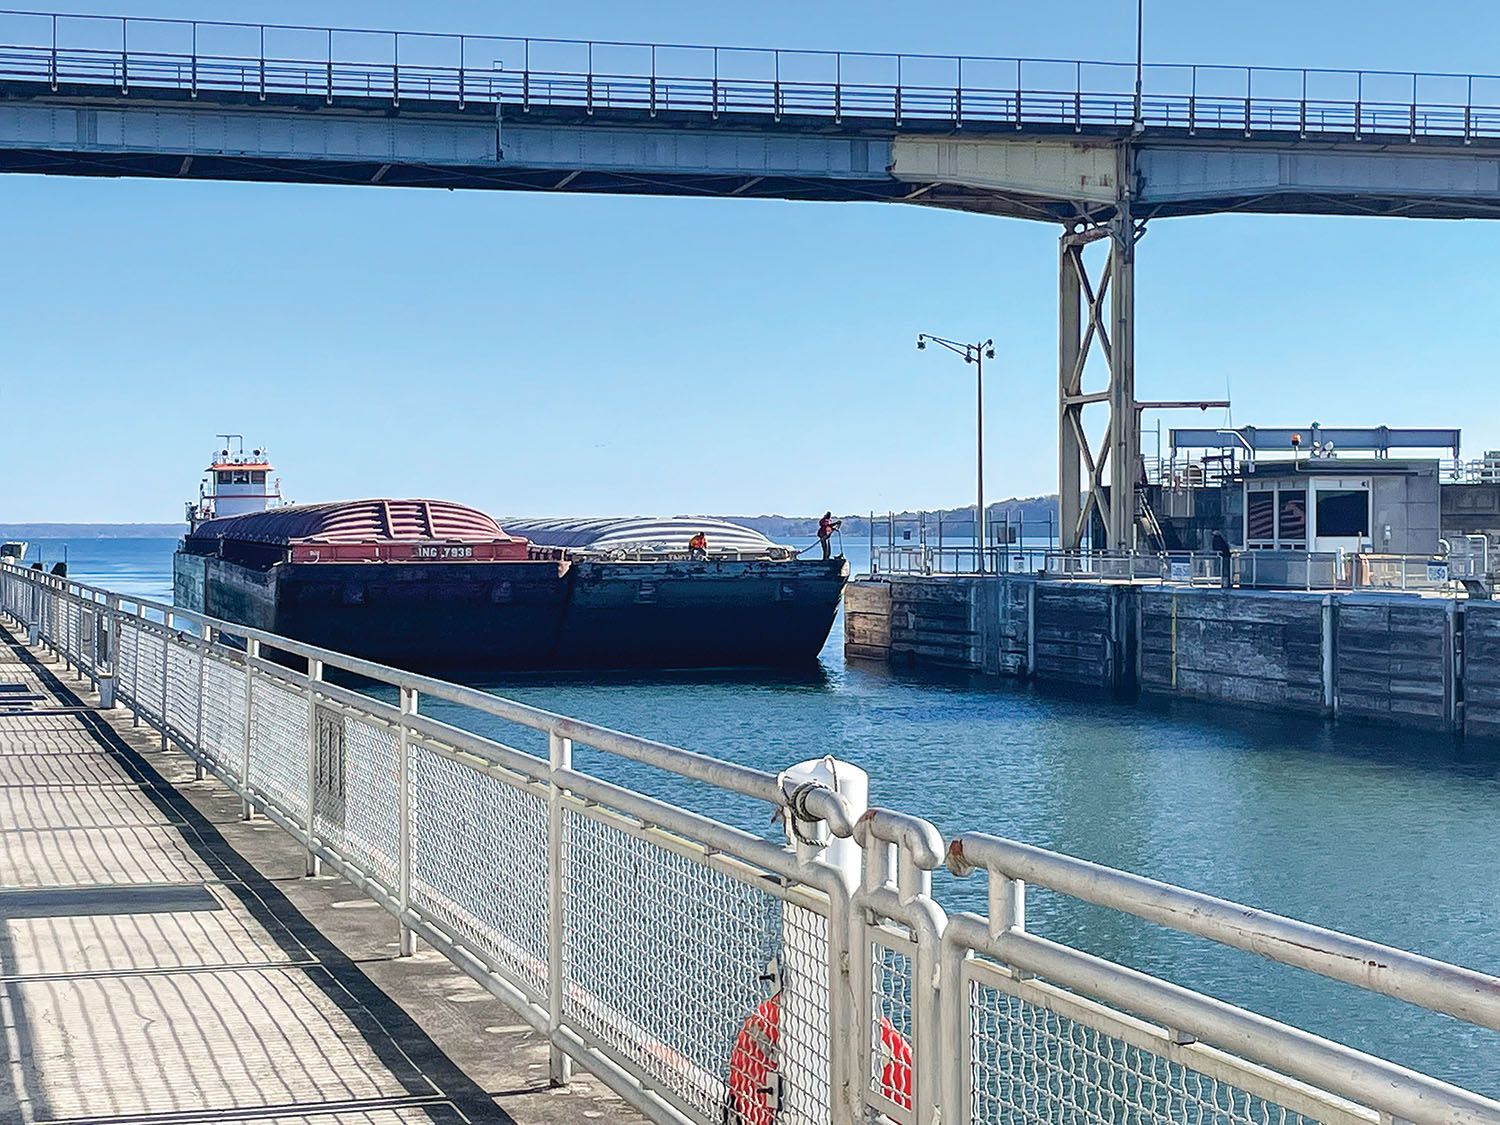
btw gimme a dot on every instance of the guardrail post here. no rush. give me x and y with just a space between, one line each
70 654
252 653
461 71
166 664
91 613
1007 913
903 850
88 642
58 620
208 636
559 757
403 829
958 96
108 677
135 668
313 866
124 57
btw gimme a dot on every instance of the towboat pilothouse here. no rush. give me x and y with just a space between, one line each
234 483
435 586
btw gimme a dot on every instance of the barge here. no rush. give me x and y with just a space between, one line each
439 587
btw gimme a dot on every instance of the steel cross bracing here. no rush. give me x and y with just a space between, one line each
1097 317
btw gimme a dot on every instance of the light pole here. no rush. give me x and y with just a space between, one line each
975 354
1140 120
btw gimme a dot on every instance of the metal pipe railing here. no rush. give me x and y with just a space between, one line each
919 88
1462 993
1400 1092
731 776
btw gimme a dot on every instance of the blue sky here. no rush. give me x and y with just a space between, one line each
556 354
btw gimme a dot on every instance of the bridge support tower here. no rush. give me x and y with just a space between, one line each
1096 316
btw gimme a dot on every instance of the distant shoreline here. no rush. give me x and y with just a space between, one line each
1028 510
92 530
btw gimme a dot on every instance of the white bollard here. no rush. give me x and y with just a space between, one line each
805 986
851 783
106 691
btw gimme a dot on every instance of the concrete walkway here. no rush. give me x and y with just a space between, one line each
163 961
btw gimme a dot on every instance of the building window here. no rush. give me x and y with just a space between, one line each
1291 518
1260 517
1343 513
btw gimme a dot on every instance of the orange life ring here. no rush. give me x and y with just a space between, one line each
895 1068
754 1066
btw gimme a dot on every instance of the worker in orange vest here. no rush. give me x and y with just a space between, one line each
826 527
698 546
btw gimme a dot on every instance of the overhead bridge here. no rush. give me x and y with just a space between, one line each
1062 141
1032 138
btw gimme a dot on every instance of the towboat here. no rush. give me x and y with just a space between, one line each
440 587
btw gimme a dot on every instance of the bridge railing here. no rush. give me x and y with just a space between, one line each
1167 567
899 90
709 974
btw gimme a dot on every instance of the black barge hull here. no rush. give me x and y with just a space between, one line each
451 617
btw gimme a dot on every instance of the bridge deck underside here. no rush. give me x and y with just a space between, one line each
169 133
